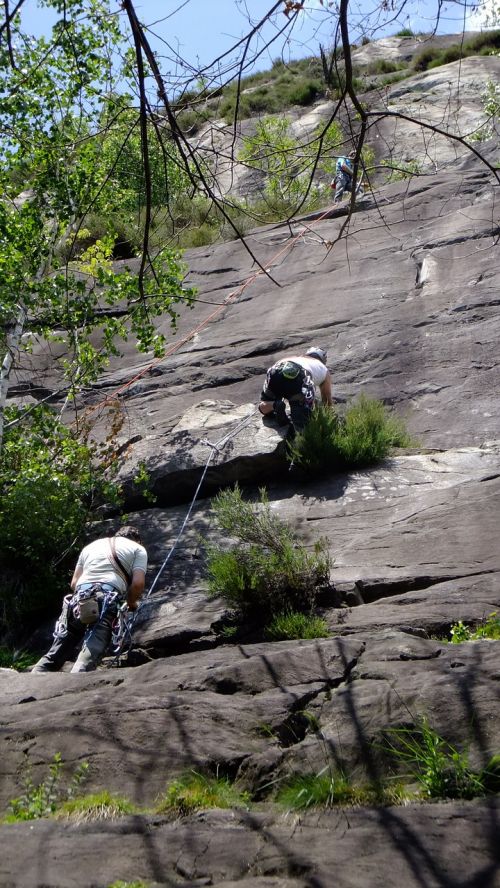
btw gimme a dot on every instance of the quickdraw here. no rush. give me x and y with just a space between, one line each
121 630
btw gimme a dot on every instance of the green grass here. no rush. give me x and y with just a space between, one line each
267 571
364 436
490 775
96 806
327 790
14 659
489 628
383 66
121 884
482 44
293 625
439 767
196 792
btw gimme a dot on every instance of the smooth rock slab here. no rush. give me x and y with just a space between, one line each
398 680
437 846
137 728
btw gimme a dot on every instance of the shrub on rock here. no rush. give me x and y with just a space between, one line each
362 437
267 571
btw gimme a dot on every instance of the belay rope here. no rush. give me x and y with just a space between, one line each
124 625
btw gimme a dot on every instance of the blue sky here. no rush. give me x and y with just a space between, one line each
201 30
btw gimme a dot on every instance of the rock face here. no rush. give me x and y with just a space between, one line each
404 295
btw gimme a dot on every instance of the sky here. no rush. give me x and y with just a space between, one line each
201 30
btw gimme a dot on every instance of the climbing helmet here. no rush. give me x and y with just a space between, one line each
316 352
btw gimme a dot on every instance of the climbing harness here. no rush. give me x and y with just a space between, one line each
125 621
87 606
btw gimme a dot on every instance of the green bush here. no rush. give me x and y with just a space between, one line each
364 436
123 231
293 625
304 92
405 32
50 483
398 173
285 164
195 792
197 236
451 54
486 40
297 83
383 66
267 571
424 58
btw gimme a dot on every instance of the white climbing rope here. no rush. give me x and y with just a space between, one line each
127 625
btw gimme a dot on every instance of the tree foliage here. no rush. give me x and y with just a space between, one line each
50 482
286 161
72 147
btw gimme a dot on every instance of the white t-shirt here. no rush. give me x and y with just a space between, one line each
96 561
314 366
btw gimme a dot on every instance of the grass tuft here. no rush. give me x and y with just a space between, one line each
439 767
14 659
328 790
96 806
293 625
121 884
195 792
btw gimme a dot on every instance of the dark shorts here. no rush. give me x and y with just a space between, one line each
291 381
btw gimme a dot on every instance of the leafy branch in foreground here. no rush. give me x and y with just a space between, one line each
72 150
267 571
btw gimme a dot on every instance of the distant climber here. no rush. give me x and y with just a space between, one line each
344 176
108 572
294 379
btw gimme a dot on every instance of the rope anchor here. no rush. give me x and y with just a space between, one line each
208 443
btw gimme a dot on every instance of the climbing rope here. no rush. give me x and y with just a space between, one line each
122 633
125 625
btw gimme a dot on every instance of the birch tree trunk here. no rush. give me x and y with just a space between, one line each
12 344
